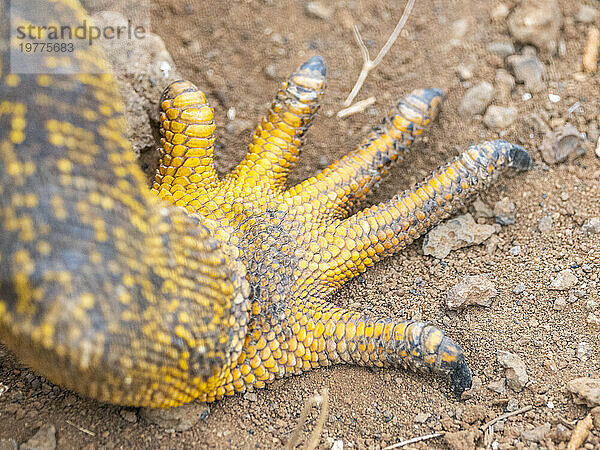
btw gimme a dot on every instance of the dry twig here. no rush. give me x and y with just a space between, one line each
83 430
369 65
414 440
357 107
506 415
308 404
580 433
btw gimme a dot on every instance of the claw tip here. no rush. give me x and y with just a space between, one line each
315 63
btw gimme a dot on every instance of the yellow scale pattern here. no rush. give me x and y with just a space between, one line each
222 285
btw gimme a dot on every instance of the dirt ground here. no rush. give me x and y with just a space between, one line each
238 52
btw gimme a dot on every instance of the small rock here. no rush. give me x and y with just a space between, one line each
558 145
474 413
537 434
585 391
592 226
271 72
250 396
318 10
516 372
519 289
499 117
583 351
462 231
502 49
591 304
128 415
482 210
471 290
476 99
181 418
473 390
597 151
512 405
462 440
8 444
559 304
565 280
593 319
422 417
536 22
465 71
498 386
500 12
505 212
562 433
515 250
586 14
43 439
239 126
528 69
545 224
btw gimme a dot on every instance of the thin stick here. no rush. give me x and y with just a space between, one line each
369 65
414 440
301 422
83 430
357 107
506 415
316 434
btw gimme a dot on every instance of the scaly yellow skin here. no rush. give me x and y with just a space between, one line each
113 293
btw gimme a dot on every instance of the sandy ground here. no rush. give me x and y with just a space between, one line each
239 52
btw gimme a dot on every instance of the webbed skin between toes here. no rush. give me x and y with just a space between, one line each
222 285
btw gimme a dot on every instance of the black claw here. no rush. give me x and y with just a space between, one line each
315 63
460 378
520 159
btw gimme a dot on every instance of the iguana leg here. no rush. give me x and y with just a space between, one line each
346 183
186 163
359 241
277 140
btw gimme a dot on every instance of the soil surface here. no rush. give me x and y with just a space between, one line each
238 52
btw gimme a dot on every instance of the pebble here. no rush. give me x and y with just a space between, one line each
515 250
591 304
586 14
512 405
500 117
565 280
537 22
270 72
554 98
422 417
558 145
43 439
519 289
498 386
593 319
476 99
559 304
471 290
462 231
592 226
482 210
180 418
250 396
318 10
598 148
536 434
505 211
516 372
583 351
465 71
545 224
528 69
500 12
502 49
585 391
